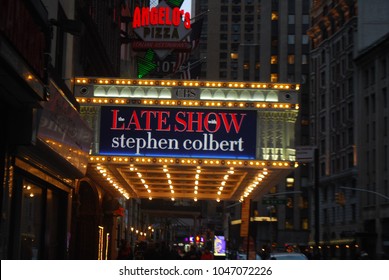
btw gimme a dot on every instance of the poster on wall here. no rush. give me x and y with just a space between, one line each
219 245
202 133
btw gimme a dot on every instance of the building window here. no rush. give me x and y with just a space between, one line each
305 39
365 78
383 68
322 101
274 59
305 19
291 39
274 41
246 66
350 159
323 124
291 19
288 224
350 133
304 59
322 169
367 105
304 224
323 57
350 85
291 59
274 16
234 55
289 182
323 78
274 77
322 147
372 75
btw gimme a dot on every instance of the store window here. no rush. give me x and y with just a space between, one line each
31 222
41 210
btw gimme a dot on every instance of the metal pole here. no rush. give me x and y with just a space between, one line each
248 232
368 191
317 197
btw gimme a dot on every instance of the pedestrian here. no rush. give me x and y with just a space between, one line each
192 254
125 252
207 255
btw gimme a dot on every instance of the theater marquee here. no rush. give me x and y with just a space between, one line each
134 131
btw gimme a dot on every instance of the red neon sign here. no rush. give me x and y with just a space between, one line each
160 16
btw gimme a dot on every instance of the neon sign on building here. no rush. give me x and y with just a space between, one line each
164 16
161 28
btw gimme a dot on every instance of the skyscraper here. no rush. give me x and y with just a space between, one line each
264 41
257 40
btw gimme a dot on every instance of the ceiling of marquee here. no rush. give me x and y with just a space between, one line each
187 181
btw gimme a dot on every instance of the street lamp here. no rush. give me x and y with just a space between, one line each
368 191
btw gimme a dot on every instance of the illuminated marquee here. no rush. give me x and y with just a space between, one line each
133 131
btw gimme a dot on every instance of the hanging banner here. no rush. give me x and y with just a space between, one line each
175 132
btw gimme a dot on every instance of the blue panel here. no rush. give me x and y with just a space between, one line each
202 133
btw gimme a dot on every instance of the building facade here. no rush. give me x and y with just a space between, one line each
372 73
333 129
264 41
348 123
50 210
44 142
372 84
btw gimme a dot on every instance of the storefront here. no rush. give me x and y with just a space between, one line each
43 155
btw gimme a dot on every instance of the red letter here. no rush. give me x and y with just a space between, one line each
187 20
154 16
180 121
145 16
114 121
176 17
135 121
168 21
199 121
161 16
148 118
162 121
136 20
234 121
